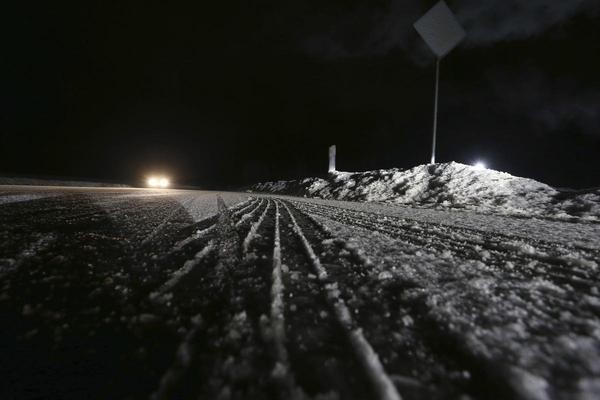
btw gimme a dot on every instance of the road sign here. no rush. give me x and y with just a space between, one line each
440 29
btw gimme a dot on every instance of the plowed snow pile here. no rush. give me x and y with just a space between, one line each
449 185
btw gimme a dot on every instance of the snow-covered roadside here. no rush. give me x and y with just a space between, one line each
5 180
448 186
15 198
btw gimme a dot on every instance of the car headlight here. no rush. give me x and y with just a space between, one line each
158 182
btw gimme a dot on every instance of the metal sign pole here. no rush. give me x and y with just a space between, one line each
441 31
435 108
332 158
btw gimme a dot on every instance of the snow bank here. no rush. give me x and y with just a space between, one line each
54 182
449 185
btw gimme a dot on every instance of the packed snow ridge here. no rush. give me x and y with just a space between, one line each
448 185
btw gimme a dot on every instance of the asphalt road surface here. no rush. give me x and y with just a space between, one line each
169 294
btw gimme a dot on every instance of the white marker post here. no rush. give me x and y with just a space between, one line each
332 158
441 32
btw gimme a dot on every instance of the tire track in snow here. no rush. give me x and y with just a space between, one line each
212 349
165 221
199 234
471 235
230 344
252 202
207 249
376 374
277 302
471 302
202 233
254 228
249 214
188 266
529 261
474 236
281 372
188 203
320 363
417 369
523 268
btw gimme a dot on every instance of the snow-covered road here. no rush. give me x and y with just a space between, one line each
128 293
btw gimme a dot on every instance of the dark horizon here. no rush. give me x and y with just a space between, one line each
220 96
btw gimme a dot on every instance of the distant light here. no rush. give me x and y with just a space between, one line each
158 182
479 165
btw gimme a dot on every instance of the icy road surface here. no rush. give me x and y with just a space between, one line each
167 294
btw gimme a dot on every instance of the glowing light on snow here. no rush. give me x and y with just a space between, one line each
479 165
158 182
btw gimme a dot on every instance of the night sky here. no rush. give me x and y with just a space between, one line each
226 93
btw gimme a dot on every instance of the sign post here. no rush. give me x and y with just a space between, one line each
332 158
442 33
435 108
